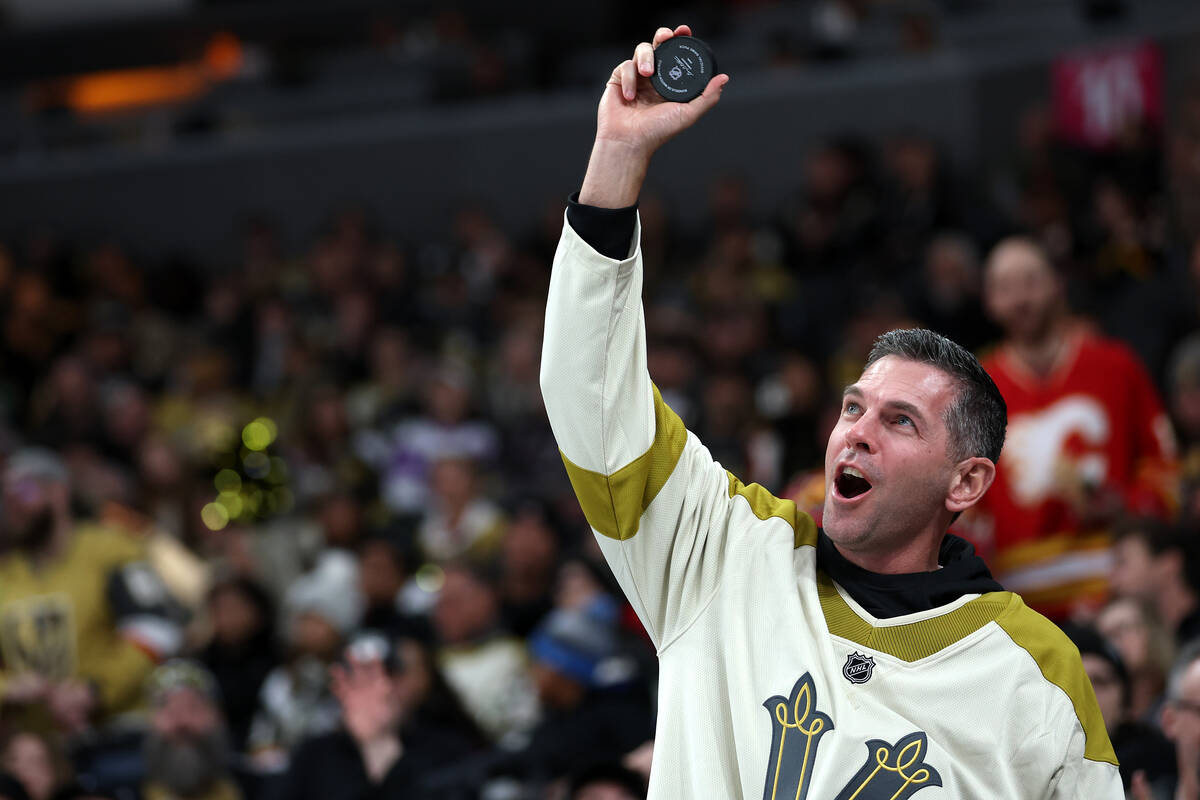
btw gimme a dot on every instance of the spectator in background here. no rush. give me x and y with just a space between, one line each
372 753
295 703
322 460
461 522
487 667
1139 746
1087 439
82 619
1183 385
948 298
528 565
1181 721
594 708
1147 650
187 749
391 391
37 762
383 576
792 399
66 409
922 198
242 650
444 431
1160 565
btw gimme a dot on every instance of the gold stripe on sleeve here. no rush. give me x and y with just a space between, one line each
613 504
1058 659
766 505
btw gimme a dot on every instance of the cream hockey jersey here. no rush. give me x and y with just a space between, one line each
773 682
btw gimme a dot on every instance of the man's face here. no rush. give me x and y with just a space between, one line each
1021 291
184 713
1107 686
187 747
1122 624
28 510
465 608
1132 573
1181 715
887 465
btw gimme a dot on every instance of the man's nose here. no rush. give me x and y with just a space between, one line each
861 435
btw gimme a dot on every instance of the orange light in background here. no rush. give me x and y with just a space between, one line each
223 56
145 86
128 88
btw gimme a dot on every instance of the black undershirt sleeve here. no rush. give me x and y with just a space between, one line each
608 230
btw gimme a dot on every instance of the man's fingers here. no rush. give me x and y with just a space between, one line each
661 35
629 78
683 30
1140 787
644 57
712 93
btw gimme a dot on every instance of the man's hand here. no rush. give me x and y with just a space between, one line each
371 711
25 688
633 121
72 702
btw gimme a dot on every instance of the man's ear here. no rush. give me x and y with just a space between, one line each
971 479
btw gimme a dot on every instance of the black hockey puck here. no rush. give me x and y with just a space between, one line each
683 66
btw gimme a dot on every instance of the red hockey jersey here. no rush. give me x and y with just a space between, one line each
1093 428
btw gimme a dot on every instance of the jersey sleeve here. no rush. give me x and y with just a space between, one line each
657 501
1082 778
1073 737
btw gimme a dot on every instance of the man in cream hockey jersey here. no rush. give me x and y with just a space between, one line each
875 659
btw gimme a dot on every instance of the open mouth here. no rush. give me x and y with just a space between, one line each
851 483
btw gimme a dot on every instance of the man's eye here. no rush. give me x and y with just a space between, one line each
903 420
852 408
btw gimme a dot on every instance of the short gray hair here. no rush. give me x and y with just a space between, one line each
978 417
1189 655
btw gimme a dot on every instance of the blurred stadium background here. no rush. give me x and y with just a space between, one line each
273 273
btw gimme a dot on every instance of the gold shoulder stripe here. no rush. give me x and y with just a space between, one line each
766 505
613 504
1058 659
913 641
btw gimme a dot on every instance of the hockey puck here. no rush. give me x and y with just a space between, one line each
683 66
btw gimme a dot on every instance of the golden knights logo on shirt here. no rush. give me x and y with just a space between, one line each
37 634
890 771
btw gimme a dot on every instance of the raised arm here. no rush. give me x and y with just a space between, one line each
649 489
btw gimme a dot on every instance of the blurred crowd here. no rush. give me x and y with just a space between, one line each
297 526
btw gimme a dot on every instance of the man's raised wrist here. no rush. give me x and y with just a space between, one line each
616 171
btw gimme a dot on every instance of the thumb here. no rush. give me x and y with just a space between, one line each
1139 788
712 93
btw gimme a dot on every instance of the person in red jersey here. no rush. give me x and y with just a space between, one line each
1088 439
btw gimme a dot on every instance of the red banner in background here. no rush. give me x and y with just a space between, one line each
1099 93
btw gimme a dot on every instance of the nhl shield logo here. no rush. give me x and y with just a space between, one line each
858 668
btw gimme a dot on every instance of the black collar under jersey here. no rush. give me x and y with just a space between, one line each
885 596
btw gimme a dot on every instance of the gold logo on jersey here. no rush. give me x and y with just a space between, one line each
891 772
793 755
37 634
